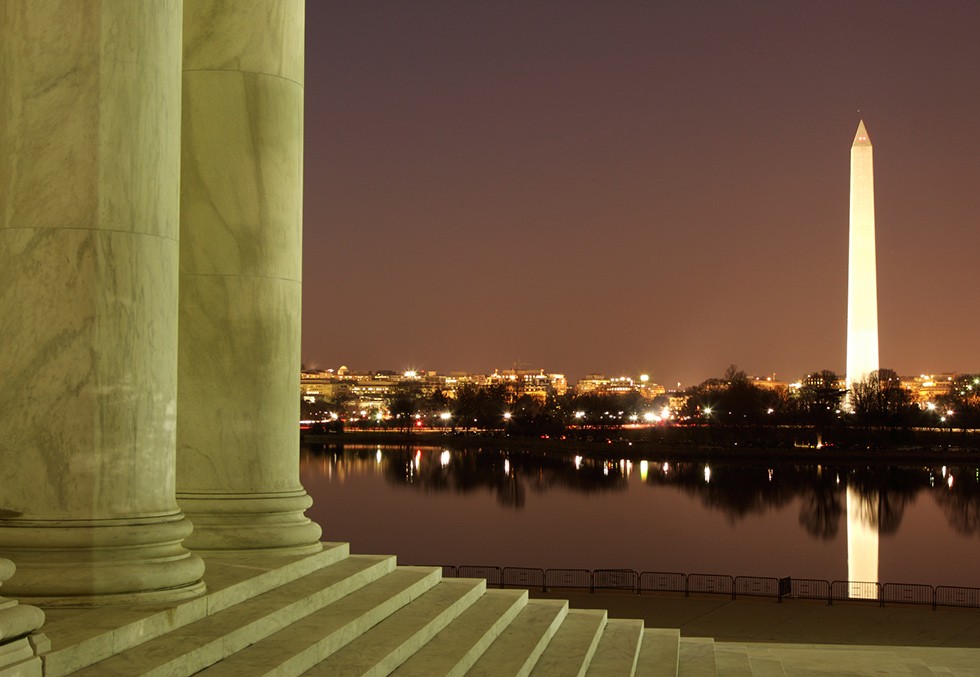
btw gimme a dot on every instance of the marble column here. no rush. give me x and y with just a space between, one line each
240 260
89 201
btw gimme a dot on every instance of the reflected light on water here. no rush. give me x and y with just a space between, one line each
578 462
707 474
862 544
444 458
507 466
644 469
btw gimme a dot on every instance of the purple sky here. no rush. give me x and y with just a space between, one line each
626 187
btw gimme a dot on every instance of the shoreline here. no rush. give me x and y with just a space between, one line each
635 449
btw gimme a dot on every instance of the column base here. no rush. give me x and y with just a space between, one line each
84 563
268 524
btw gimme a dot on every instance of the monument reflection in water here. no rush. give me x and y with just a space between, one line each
862 544
554 510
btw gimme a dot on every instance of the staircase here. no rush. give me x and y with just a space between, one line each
339 614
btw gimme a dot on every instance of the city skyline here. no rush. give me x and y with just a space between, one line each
634 188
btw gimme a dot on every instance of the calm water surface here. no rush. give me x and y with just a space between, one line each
429 505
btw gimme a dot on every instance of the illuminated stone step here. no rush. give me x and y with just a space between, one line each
388 644
658 653
618 650
696 657
766 666
195 646
571 649
520 645
454 650
301 645
733 660
81 637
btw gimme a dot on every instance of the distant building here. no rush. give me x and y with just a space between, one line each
620 385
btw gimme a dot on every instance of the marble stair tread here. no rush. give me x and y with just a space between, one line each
384 647
195 646
570 651
520 645
80 637
839 660
733 661
458 646
766 666
696 657
301 645
618 649
658 653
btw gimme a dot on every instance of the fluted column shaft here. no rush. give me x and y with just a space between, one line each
89 199
240 276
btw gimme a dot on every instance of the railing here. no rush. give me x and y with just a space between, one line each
719 584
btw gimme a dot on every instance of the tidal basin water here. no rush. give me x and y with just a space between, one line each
431 505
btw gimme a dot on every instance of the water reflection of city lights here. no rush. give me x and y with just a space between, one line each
644 468
666 467
707 474
578 462
444 458
605 470
377 456
418 458
507 466
770 474
944 471
949 481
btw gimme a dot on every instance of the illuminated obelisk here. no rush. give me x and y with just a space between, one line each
862 287
862 353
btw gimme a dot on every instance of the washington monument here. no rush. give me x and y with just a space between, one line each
862 287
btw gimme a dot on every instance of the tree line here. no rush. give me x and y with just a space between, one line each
732 400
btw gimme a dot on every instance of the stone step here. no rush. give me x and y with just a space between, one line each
766 666
193 647
618 650
388 644
850 661
298 647
81 637
454 650
570 651
658 653
733 660
696 657
520 645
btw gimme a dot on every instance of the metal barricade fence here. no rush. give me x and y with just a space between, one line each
810 588
492 574
663 581
522 577
615 579
711 583
756 586
950 595
908 593
844 591
568 578
719 584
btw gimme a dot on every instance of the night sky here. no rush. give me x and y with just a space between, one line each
636 187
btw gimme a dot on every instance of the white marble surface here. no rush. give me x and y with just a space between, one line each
89 183
258 36
240 275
